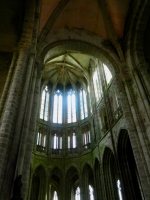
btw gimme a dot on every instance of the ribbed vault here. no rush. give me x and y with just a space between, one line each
67 68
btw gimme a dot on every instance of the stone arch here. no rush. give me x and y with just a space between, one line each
71 180
55 183
128 168
38 189
98 181
136 25
110 174
82 41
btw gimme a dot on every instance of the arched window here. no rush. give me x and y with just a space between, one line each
91 192
77 194
108 74
83 104
55 196
57 111
71 105
44 104
97 84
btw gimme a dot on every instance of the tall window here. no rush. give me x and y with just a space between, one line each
108 74
57 111
119 190
83 104
55 196
77 195
97 84
91 192
71 105
44 104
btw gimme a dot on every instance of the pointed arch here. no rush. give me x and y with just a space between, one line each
87 179
98 181
38 189
110 174
72 177
131 182
55 183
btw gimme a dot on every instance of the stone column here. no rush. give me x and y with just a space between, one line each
9 177
8 81
137 143
30 137
11 110
143 70
25 130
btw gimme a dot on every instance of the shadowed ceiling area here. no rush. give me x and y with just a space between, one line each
92 15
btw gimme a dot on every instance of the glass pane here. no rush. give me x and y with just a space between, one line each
81 105
69 107
85 104
44 141
91 192
74 140
42 104
77 195
55 108
68 142
73 108
108 74
55 141
119 190
60 109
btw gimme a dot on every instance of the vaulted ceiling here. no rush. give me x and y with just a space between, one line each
67 68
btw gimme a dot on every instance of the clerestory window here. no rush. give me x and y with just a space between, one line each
57 111
97 84
108 74
71 106
44 104
83 104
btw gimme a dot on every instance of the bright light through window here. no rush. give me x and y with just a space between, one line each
71 102
77 195
44 104
108 74
55 197
57 112
119 190
83 104
91 192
